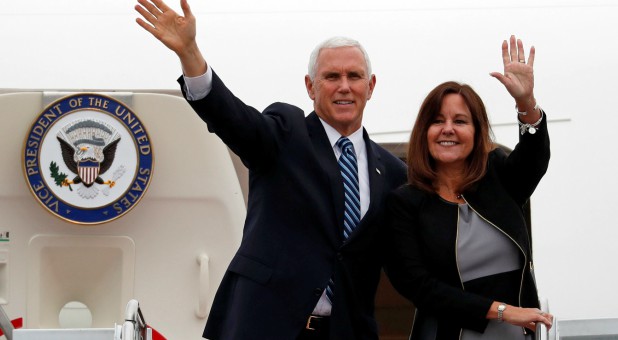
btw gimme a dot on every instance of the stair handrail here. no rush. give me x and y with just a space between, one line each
541 332
134 326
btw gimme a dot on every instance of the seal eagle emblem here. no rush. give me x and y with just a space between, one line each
88 150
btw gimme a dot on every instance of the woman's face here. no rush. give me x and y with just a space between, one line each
451 134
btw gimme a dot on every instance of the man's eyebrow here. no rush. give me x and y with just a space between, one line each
330 73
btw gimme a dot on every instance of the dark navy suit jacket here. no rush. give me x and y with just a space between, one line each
292 239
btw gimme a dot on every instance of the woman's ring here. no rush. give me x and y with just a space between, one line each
522 61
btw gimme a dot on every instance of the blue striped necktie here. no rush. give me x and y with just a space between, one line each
352 212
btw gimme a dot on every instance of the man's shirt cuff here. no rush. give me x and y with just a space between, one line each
198 87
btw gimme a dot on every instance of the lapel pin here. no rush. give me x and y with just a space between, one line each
378 171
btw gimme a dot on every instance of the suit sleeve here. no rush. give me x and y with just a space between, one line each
255 137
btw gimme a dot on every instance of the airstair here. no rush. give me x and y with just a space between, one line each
134 327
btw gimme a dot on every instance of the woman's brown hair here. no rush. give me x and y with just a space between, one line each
421 166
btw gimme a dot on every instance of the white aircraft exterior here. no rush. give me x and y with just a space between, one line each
260 49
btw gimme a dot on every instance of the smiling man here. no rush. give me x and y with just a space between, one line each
310 258
340 84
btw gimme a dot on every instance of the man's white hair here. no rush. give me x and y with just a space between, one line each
335 42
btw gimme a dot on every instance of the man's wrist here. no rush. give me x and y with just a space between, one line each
192 61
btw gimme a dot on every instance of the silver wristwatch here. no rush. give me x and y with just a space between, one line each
501 309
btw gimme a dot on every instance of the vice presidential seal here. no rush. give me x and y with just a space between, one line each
88 158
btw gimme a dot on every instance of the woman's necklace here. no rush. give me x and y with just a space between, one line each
450 195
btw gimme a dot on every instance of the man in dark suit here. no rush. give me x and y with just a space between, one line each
310 258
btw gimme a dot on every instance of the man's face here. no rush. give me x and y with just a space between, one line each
341 88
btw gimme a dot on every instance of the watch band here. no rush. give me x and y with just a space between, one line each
501 309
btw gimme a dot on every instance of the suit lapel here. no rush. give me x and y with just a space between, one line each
328 162
376 176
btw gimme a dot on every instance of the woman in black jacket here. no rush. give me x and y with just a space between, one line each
461 250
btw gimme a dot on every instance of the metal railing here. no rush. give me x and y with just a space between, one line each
5 324
542 333
134 326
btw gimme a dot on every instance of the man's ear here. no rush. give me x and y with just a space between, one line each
372 85
309 86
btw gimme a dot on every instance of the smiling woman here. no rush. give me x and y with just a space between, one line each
450 141
460 239
451 135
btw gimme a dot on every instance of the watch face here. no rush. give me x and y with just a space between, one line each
501 308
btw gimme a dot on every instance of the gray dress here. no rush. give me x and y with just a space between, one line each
483 250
